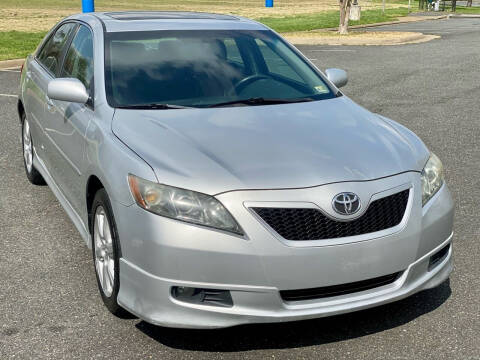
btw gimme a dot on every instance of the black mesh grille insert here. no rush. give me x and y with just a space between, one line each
337 290
311 224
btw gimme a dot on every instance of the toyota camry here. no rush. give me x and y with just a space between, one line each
220 178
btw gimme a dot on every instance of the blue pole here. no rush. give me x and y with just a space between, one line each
88 6
268 3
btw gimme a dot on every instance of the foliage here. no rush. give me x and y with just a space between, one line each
17 45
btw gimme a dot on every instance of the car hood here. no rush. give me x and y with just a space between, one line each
269 147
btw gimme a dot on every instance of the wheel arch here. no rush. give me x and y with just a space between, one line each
20 109
93 185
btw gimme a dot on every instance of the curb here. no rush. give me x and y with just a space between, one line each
413 39
464 16
398 22
424 18
11 64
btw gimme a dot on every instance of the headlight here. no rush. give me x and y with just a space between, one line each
180 204
432 178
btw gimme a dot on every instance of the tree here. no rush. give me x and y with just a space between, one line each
344 15
469 3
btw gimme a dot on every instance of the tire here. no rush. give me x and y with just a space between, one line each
28 154
106 252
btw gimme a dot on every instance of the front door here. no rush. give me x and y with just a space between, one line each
67 122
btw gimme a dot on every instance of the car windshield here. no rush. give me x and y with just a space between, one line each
178 69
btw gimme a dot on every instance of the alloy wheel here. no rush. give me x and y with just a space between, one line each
27 146
104 256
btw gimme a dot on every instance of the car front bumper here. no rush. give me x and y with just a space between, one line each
159 254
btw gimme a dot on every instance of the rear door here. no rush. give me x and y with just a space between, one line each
67 122
40 71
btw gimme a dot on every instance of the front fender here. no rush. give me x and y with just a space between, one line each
111 161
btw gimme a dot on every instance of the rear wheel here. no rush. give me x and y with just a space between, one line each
27 143
106 252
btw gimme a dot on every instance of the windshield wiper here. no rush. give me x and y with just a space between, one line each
261 101
154 107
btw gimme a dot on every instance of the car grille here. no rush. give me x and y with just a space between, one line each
337 290
311 224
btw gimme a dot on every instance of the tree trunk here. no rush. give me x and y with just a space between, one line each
344 15
421 4
454 5
469 3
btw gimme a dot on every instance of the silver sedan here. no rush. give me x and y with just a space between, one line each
220 178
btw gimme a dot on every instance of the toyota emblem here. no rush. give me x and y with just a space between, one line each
346 203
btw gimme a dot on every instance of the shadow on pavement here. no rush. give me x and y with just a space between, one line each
302 333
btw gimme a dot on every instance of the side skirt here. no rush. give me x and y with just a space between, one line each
72 214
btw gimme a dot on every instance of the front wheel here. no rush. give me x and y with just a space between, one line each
106 252
27 143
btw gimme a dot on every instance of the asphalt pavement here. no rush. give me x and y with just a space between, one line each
49 302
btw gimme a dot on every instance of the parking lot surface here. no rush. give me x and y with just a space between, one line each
49 302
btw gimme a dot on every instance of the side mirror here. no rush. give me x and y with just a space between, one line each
67 89
338 77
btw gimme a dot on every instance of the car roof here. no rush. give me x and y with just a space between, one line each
162 15
172 20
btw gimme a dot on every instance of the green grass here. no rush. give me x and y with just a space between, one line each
17 45
329 19
467 10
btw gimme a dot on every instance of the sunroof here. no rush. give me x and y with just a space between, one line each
164 15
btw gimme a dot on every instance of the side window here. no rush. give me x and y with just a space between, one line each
50 55
275 64
79 59
233 54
